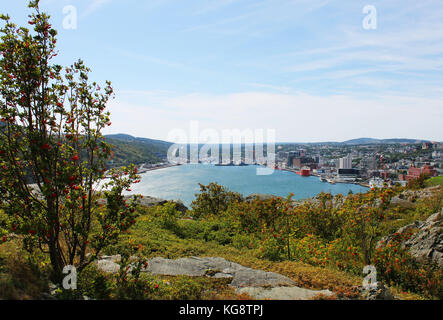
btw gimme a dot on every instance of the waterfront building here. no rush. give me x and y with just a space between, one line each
347 175
345 163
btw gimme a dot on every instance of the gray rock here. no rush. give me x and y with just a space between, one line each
108 266
413 195
256 283
259 196
426 242
193 266
380 292
399 202
115 258
219 268
257 278
282 293
152 201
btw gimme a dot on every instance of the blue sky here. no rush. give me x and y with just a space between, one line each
306 68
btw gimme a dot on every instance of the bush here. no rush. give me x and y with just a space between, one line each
271 250
218 231
213 199
418 183
94 283
168 215
191 229
311 249
241 241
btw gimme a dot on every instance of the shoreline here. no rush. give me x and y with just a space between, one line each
362 184
169 165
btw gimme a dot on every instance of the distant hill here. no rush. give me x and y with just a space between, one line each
383 141
129 149
361 141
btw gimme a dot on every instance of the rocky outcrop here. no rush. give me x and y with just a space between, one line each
282 293
149 201
217 268
259 196
413 195
378 292
109 264
426 242
399 202
258 284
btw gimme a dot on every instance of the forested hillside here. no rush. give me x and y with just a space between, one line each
128 149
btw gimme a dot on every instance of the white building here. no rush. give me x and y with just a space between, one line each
345 163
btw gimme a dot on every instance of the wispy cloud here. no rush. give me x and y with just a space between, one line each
93 6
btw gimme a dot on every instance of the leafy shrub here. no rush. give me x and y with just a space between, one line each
271 250
418 183
219 231
241 241
311 249
94 284
213 199
322 218
168 215
192 229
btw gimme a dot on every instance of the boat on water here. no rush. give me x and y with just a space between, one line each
304 172
331 181
323 179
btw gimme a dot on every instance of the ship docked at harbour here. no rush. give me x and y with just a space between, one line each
304 172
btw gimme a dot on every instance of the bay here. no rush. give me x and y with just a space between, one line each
182 182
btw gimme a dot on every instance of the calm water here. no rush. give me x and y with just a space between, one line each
181 182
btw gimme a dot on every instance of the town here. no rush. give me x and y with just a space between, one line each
371 165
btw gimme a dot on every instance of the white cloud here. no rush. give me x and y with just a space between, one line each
295 117
93 6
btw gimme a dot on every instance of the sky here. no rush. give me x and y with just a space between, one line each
311 70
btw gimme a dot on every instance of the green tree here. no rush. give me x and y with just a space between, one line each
213 199
50 136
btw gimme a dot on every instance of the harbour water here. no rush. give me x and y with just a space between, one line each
181 182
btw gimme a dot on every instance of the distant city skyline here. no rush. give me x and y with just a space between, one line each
307 68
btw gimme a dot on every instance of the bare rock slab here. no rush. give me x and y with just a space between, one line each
282 293
218 268
258 284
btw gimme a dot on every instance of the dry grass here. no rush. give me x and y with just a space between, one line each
19 280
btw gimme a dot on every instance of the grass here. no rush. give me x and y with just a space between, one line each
435 181
20 279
